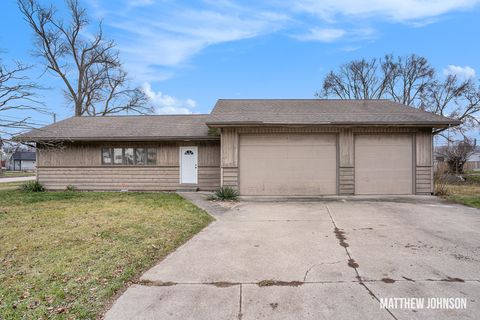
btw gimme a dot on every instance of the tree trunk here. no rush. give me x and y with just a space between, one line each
456 165
78 108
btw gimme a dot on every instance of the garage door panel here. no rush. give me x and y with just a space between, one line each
383 164
286 164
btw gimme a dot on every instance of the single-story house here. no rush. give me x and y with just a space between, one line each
22 161
262 147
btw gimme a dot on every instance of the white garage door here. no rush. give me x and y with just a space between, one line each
383 164
288 164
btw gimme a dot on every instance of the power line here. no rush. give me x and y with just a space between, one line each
24 118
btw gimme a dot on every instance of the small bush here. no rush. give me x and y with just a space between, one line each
70 187
440 180
226 193
32 186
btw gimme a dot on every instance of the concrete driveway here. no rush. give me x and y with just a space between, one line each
317 260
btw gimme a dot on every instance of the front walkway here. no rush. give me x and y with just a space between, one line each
315 260
16 179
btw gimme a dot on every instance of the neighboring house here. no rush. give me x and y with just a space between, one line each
262 147
473 162
3 159
22 161
439 160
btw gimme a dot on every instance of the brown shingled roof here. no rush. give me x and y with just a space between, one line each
321 112
126 128
238 112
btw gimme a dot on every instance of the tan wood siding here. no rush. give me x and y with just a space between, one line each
346 183
79 164
229 148
262 130
230 177
346 148
209 154
168 155
424 180
151 178
317 129
424 162
373 129
70 154
89 154
424 148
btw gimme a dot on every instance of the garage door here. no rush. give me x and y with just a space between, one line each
383 164
288 164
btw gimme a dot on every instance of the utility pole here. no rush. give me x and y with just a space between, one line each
54 117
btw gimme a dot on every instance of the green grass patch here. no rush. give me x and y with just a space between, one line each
473 178
471 201
63 255
10 185
467 194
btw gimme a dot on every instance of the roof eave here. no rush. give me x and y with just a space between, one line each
439 124
126 139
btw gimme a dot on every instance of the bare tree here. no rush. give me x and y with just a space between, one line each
17 95
409 80
455 99
358 79
456 154
401 79
411 76
88 65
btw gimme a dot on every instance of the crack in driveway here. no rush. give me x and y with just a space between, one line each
351 262
317 265
240 314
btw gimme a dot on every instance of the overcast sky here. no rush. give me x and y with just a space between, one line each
187 54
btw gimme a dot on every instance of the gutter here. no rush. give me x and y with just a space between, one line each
126 139
333 124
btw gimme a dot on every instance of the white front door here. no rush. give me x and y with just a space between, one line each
188 164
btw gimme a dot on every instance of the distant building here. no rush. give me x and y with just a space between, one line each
473 162
23 161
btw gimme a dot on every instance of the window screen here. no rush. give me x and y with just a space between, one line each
139 156
151 156
106 156
128 156
117 156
